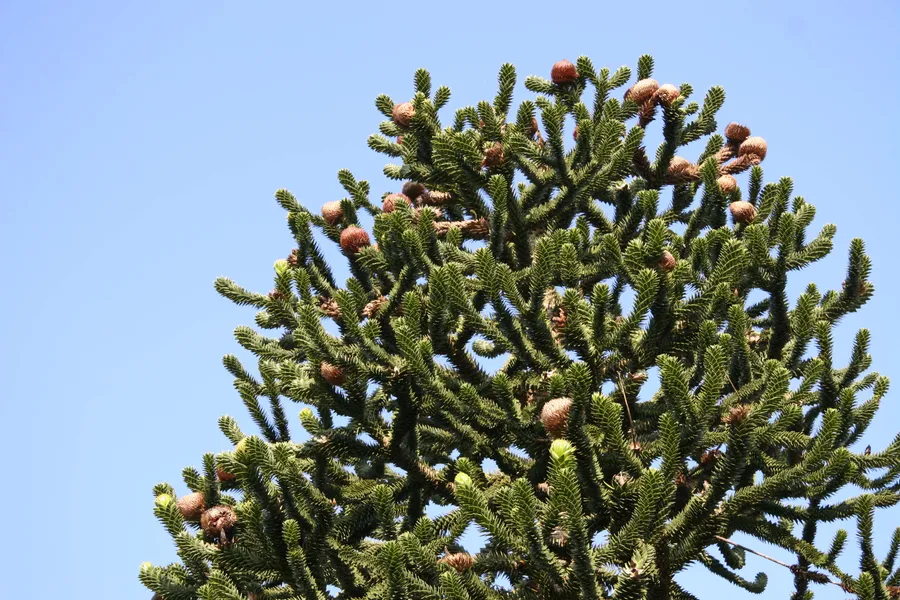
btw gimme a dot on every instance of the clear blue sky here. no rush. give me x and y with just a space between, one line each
141 143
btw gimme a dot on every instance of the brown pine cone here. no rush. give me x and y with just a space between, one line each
737 133
332 212
737 414
755 146
493 156
372 307
563 72
461 561
217 522
710 456
353 239
412 189
332 374
639 377
294 258
224 475
667 262
403 114
642 91
191 506
391 201
667 94
742 211
727 183
680 165
555 416
330 307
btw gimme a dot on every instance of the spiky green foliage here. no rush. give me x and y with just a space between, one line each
584 266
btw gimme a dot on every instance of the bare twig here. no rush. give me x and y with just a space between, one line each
817 576
628 409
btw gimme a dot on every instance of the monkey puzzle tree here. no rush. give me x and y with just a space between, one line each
577 268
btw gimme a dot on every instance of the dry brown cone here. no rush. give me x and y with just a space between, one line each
563 72
275 295
332 374
753 336
558 323
332 212
224 475
403 114
461 561
294 258
217 522
493 156
636 446
639 377
681 479
679 165
559 536
392 200
372 307
412 189
667 94
667 263
354 239
710 456
727 183
681 170
737 414
330 307
642 91
742 211
893 591
736 133
755 146
555 416
191 506
622 478
544 488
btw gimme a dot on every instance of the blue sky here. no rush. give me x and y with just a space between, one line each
140 146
